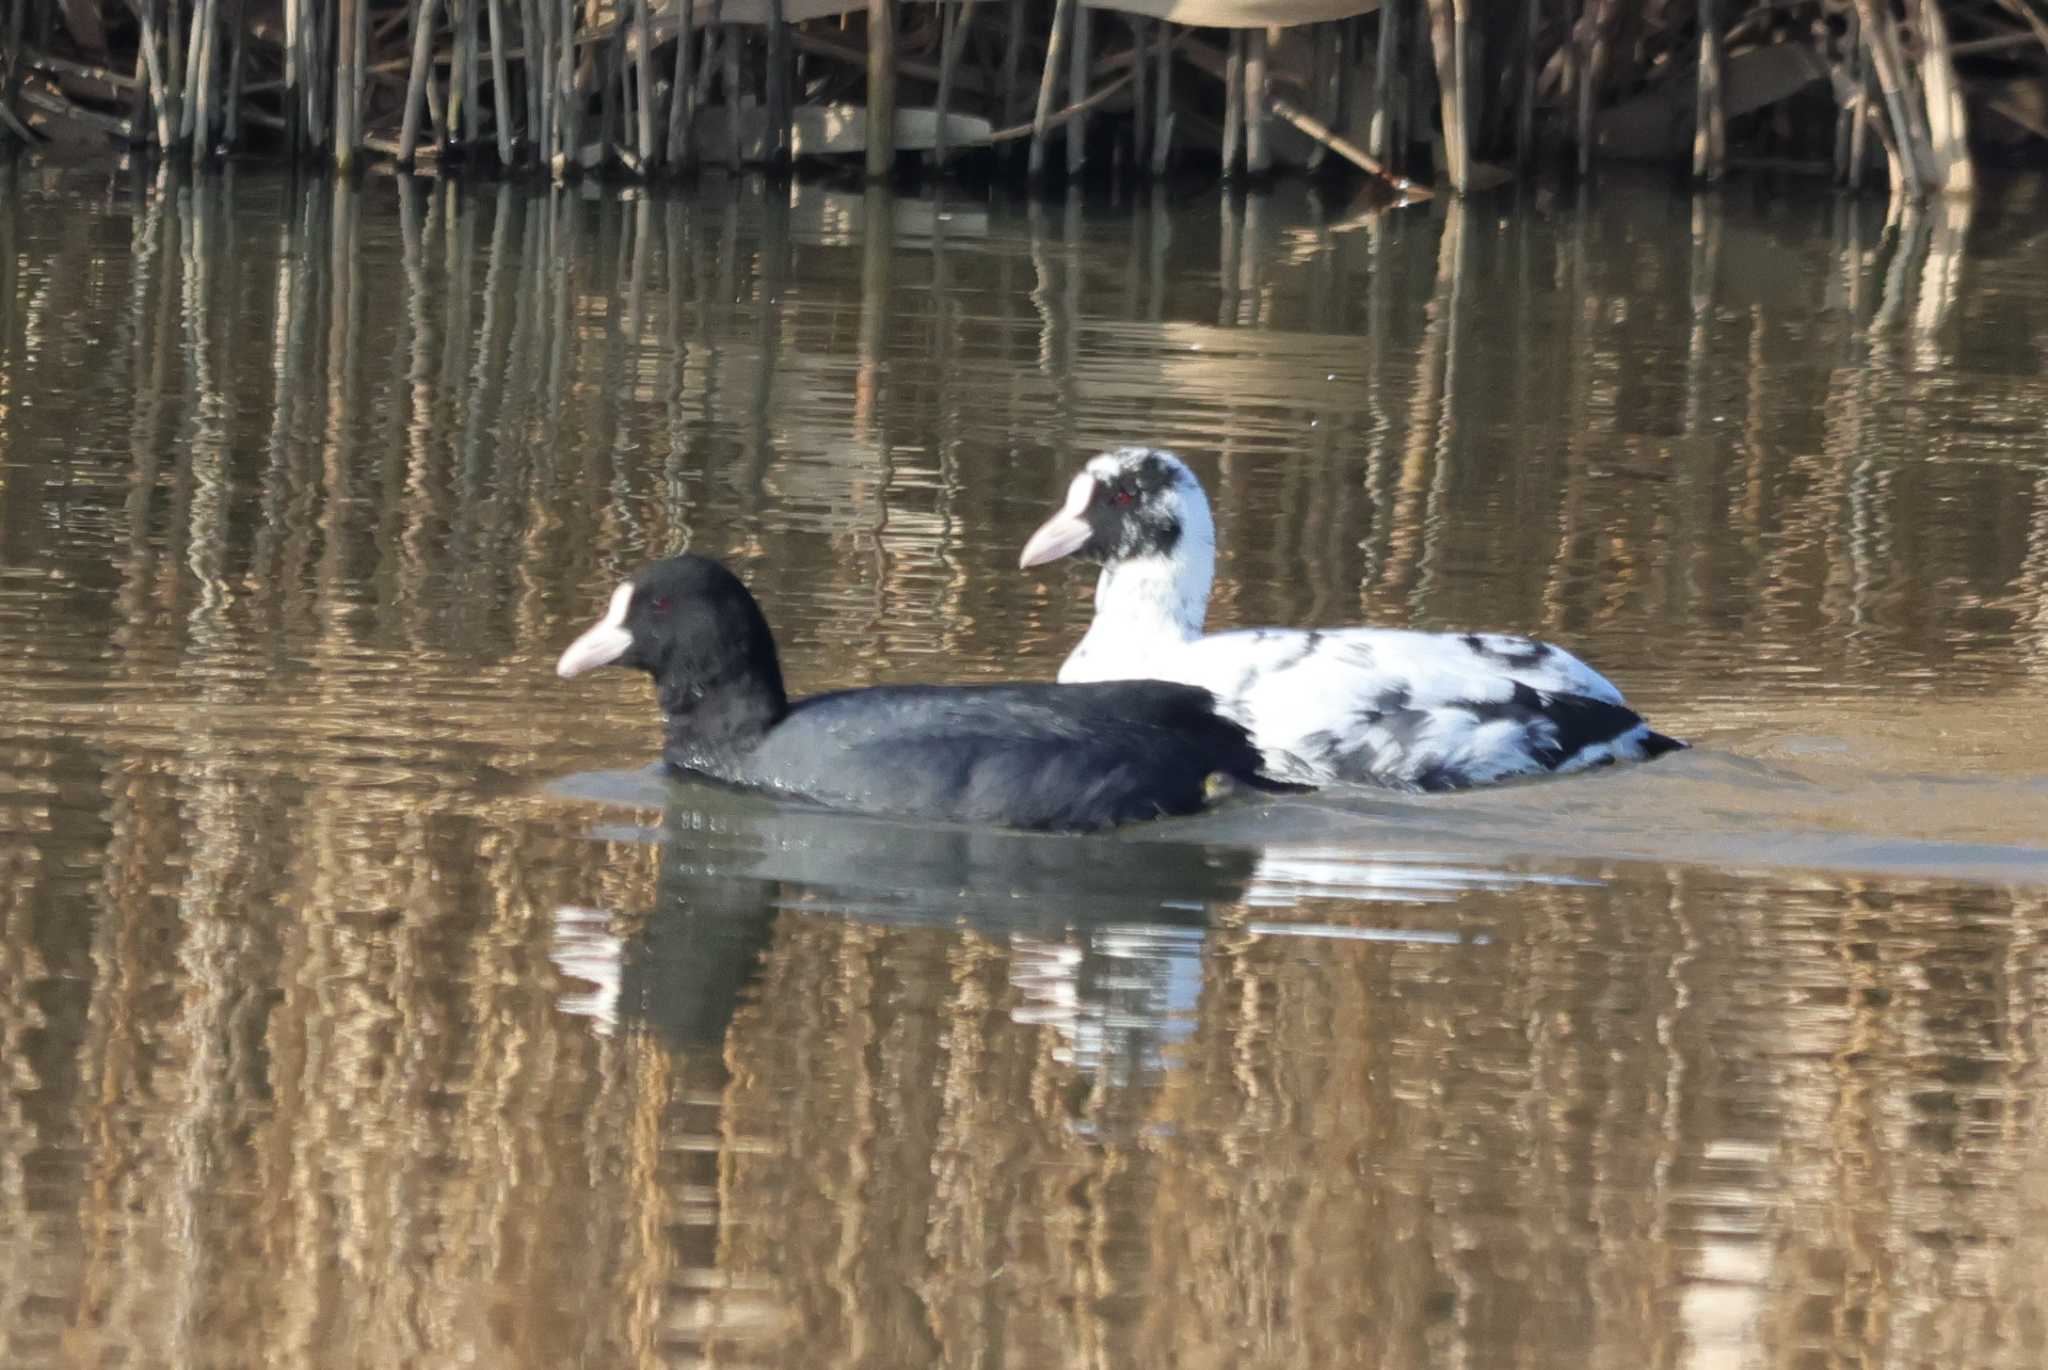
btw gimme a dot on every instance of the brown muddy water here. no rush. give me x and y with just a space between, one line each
364 1002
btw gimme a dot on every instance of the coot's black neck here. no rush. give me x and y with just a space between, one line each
722 695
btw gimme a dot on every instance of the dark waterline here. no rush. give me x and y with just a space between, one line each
362 1003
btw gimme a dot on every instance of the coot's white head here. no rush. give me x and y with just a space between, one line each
1141 513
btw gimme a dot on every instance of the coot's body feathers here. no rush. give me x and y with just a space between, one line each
1389 707
1027 756
1046 757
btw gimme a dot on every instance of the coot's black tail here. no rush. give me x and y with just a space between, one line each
1655 744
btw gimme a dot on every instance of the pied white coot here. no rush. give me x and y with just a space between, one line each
1035 756
1389 707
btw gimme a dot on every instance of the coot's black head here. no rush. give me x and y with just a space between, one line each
1127 504
692 625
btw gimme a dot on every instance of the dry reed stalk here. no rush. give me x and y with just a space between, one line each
501 82
1947 122
1380 138
1233 106
463 126
568 146
1525 93
682 101
881 149
294 22
1445 35
416 83
1860 112
707 63
611 76
1594 20
1326 65
533 61
1141 31
347 61
10 73
188 65
779 112
1846 72
1710 116
643 79
362 73
1343 147
1077 89
729 50
159 97
1877 36
1012 54
1048 86
1162 95
196 123
953 40
1258 153
231 129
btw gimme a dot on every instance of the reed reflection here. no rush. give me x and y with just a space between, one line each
300 1055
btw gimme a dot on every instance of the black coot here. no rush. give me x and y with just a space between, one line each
1045 756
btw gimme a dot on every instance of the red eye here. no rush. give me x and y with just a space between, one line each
1121 497
661 605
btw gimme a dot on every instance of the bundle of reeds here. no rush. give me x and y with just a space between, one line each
1431 89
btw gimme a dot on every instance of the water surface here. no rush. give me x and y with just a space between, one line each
364 1001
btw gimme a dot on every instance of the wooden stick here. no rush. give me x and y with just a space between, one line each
1100 96
730 49
1710 117
881 159
501 82
1048 86
1342 146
